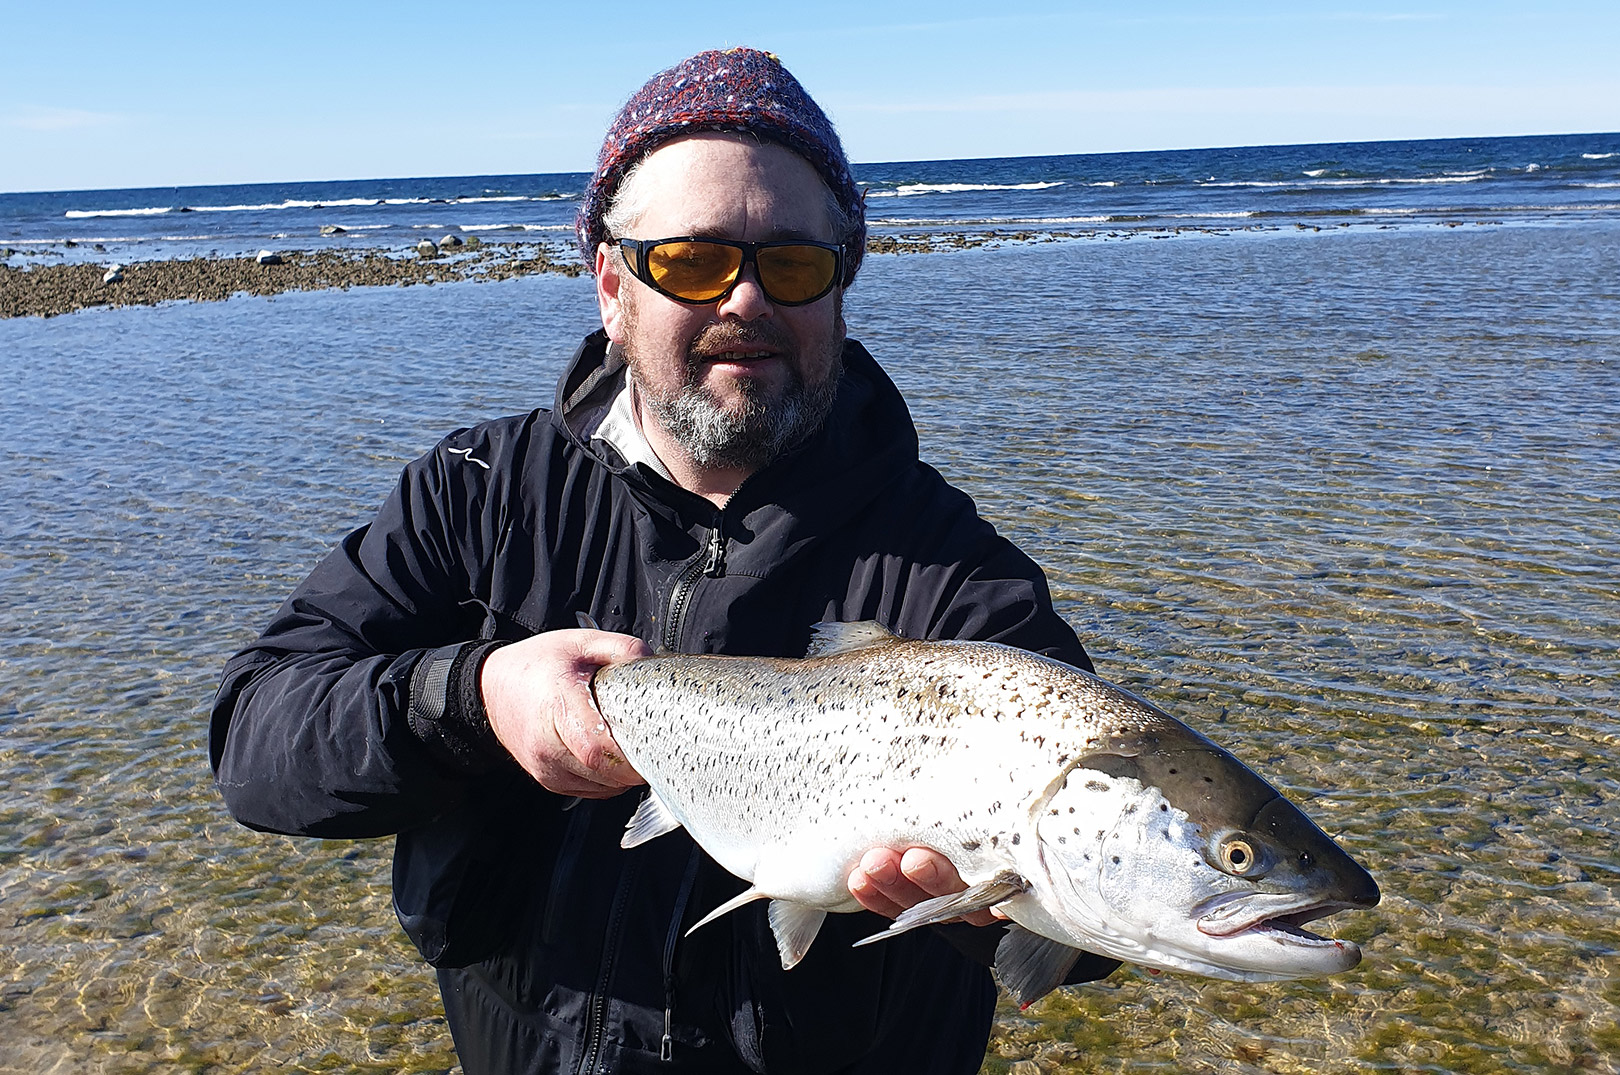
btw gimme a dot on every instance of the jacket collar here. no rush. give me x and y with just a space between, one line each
866 441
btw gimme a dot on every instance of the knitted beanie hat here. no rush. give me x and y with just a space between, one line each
739 90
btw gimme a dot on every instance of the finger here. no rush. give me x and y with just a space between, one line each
869 883
587 738
936 875
598 648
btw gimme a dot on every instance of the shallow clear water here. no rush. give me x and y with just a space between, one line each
1347 501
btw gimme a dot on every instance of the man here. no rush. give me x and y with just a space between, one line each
722 469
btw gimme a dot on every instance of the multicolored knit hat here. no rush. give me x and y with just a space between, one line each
740 90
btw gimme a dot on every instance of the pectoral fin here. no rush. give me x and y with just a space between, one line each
1031 966
651 820
795 926
1001 887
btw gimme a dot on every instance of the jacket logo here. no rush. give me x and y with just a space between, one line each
467 452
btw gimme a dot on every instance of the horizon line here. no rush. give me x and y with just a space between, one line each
855 164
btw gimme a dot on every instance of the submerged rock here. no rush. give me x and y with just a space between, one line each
427 249
332 229
268 257
113 274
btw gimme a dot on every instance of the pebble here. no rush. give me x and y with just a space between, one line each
113 274
450 240
427 249
268 257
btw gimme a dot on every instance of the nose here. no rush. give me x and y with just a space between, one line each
746 301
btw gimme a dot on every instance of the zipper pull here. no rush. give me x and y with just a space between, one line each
666 1048
715 566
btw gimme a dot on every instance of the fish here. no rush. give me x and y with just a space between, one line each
1089 818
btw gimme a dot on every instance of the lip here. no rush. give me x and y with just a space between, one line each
741 358
1275 912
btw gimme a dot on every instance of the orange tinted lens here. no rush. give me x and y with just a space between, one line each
796 273
694 270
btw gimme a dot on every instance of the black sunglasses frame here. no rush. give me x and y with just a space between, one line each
635 252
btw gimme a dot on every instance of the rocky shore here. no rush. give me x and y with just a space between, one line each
48 290
38 290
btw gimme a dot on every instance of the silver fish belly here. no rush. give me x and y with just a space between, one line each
1090 818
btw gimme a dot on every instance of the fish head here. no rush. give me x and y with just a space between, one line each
1162 849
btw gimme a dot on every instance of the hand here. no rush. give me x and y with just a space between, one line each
889 881
538 696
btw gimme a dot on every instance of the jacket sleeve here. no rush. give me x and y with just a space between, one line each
312 729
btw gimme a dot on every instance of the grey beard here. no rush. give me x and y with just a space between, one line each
756 435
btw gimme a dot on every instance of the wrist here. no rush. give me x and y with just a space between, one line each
446 710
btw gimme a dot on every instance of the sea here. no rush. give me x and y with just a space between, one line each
1317 446
1568 178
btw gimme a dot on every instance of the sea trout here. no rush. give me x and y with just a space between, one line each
1090 818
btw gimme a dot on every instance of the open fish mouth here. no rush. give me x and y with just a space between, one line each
1283 917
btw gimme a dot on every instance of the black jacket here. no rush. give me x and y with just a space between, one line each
355 714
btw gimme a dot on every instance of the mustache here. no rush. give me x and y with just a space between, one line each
732 336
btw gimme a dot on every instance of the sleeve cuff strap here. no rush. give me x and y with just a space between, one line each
447 711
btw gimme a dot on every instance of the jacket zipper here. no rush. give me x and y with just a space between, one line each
596 1023
711 563
666 1048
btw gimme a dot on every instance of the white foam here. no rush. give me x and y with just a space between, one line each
1598 156
1466 177
956 225
1316 173
1603 186
85 214
493 198
907 190
290 203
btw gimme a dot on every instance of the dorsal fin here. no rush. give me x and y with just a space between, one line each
828 639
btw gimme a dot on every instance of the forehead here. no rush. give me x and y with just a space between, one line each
731 186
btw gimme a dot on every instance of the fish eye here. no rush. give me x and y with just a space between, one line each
1238 856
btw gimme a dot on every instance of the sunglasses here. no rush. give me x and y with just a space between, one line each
791 272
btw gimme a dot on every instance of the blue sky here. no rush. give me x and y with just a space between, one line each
173 93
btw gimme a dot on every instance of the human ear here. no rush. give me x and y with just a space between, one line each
609 300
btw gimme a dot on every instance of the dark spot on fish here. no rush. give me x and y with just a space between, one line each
1096 785
994 840
1164 806
1129 810
1116 860
970 845
1015 837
